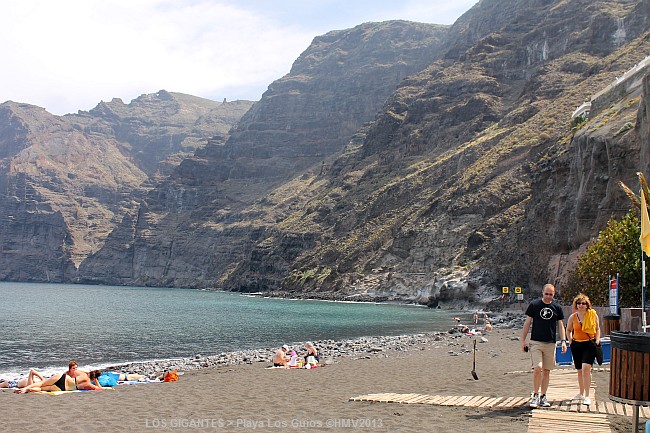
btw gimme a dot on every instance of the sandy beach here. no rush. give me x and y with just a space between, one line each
252 397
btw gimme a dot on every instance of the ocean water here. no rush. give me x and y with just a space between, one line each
43 326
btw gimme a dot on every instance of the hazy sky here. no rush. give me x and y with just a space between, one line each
68 55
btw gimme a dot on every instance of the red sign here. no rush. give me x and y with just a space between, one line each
613 284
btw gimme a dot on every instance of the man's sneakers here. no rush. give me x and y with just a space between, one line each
537 401
543 402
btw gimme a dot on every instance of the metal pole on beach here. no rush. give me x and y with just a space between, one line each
643 288
644 240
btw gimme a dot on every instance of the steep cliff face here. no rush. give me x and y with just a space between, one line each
449 190
66 181
200 225
403 161
36 242
578 190
160 130
334 87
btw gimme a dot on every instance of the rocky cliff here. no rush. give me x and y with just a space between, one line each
197 227
404 161
471 177
66 181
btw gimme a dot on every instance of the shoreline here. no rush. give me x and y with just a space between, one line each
253 398
206 323
329 349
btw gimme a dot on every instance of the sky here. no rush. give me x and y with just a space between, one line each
69 55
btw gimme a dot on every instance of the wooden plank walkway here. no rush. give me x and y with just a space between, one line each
445 400
564 415
557 405
569 415
544 421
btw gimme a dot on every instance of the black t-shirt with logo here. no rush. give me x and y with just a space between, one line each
545 317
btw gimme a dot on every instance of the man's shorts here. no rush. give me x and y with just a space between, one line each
542 354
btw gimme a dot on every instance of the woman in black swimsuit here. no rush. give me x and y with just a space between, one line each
69 381
311 352
55 383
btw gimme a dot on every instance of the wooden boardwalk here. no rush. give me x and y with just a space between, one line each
544 421
445 400
564 415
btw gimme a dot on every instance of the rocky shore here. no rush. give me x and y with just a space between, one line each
251 397
364 347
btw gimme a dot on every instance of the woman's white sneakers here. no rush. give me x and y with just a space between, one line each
584 400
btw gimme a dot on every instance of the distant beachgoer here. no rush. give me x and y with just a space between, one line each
280 359
71 380
293 360
487 327
544 314
475 317
312 357
582 327
109 379
32 377
311 351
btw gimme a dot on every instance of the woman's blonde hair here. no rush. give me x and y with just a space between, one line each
581 297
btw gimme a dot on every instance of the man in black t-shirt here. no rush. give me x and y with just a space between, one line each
544 314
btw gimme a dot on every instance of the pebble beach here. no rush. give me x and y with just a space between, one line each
237 392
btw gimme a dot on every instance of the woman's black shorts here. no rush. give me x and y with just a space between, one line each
583 352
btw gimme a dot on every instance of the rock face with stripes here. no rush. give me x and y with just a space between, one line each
396 161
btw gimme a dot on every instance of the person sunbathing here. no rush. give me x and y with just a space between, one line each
280 359
33 376
293 360
71 380
311 351
109 379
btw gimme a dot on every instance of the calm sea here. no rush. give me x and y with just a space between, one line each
45 325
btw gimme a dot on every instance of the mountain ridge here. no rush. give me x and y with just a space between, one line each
433 178
87 170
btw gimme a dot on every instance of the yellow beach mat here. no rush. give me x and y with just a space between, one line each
68 392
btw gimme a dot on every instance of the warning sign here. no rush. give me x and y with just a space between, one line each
517 290
505 289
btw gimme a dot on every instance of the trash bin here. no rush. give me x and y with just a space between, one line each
629 374
611 323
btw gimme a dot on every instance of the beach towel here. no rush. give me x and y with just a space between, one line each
108 379
589 323
139 381
61 392
67 392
